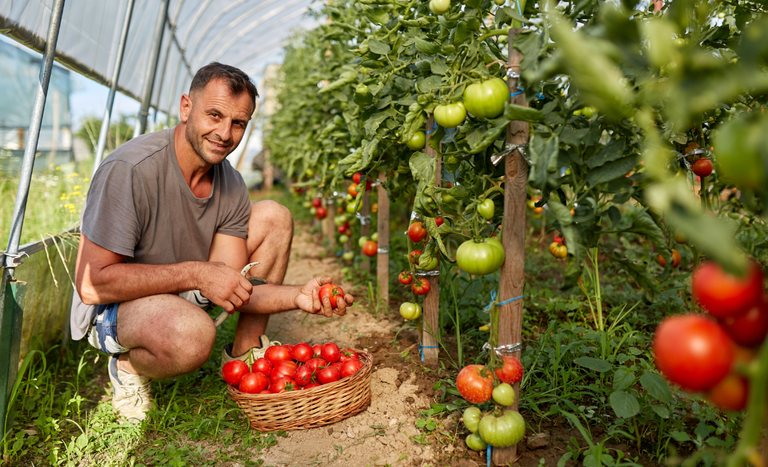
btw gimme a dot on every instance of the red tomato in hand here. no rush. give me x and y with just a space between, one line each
749 330
302 352
253 383
233 371
333 292
405 277
420 286
731 394
511 372
416 232
303 375
316 363
262 365
693 352
350 367
702 167
277 353
328 374
370 248
330 352
473 386
724 295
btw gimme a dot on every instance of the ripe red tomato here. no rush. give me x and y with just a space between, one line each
349 353
311 385
439 221
321 213
511 372
473 386
262 365
316 363
702 167
277 353
341 229
337 365
416 232
233 371
283 384
352 190
333 292
303 375
724 295
284 369
253 383
302 352
350 367
749 330
405 277
316 350
316 202
676 258
693 352
370 248
731 394
328 374
356 177
330 352
420 286
415 255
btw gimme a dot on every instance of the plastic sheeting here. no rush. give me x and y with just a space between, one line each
248 34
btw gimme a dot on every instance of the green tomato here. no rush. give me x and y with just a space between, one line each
486 99
499 2
417 141
340 219
476 443
486 209
410 310
351 208
480 258
504 394
343 238
428 264
350 198
588 111
439 7
307 204
309 172
504 431
471 418
361 241
450 115
313 210
375 236
348 255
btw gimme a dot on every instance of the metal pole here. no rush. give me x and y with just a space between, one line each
149 79
11 312
113 89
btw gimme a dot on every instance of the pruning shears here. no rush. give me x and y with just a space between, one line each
254 282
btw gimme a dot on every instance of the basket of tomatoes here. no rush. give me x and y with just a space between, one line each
300 386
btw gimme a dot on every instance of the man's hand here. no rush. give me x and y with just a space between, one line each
308 299
224 285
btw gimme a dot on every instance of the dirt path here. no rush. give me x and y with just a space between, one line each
381 434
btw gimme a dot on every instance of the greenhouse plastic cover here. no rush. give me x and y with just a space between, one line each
247 34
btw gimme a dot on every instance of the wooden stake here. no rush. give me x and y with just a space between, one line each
513 238
365 225
330 227
382 262
431 326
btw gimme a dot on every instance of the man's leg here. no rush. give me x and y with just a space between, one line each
270 233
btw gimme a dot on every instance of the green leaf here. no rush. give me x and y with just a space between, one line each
514 112
644 225
543 152
611 170
414 121
638 272
661 411
572 136
373 122
423 167
344 79
434 232
680 436
595 364
623 379
428 84
609 153
438 66
377 15
426 47
625 405
378 47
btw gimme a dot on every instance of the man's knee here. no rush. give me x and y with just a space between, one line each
190 342
272 213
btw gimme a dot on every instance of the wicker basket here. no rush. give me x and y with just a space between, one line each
309 408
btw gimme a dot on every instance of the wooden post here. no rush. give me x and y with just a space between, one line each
365 223
431 325
330 227
513 237
382 259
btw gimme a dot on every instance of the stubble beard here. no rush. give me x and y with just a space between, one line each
197 141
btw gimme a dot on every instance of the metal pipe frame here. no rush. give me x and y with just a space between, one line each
113 88
149 81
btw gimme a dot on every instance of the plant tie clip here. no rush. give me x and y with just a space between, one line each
383 250
434 273
508 149
493 301
364 220
422 347
434 128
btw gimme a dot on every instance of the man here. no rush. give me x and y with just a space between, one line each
166 214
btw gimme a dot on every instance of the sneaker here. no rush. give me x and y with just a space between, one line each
131 395
249 356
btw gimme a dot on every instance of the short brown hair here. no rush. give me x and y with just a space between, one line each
237 80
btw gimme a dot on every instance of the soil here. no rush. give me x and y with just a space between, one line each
401 387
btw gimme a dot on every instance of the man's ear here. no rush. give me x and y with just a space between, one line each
185 107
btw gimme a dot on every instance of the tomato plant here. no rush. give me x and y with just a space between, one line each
503 394
475 384
486 99
410 310
450 115
480 258
486 209
233 371
333 292
417 141
503 431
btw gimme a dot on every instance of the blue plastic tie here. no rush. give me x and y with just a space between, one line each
488 454
422 347
493 299
434 128
540 96
516 94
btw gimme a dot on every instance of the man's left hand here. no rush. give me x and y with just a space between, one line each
309 299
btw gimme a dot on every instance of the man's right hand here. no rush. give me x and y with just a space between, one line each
223 285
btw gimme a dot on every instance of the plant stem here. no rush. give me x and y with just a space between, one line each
756 412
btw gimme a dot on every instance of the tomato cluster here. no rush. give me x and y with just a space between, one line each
477 384
702 353
292 368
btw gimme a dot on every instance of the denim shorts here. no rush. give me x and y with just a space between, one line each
103 331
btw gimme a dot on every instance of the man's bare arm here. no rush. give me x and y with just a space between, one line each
103 277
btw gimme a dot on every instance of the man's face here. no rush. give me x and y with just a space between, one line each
215 120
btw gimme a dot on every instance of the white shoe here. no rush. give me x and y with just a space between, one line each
251 355
131 394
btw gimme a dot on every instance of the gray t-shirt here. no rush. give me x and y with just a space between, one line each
140 206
